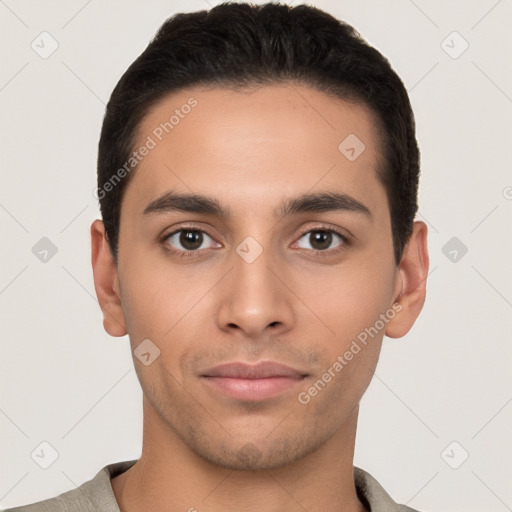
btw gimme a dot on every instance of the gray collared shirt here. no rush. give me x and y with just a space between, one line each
97 495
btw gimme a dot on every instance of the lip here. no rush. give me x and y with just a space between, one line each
252 382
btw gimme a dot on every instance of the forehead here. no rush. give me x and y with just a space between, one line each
256 144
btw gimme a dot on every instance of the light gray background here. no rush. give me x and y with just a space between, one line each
66 382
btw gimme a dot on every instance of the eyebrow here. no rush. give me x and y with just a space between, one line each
310 202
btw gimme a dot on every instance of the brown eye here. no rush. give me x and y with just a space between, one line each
188 240
321 240
191 240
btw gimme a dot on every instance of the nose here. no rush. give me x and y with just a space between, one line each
255 299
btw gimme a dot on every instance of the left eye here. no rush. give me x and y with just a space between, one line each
321 239
189 239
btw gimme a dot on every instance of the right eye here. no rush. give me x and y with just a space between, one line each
187 241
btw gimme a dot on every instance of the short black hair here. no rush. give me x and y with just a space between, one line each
237 45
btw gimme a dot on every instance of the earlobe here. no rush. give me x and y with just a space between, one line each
106 281
413 271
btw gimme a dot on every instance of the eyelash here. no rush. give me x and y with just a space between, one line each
184 253
345 242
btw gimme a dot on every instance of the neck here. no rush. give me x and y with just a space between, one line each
170 477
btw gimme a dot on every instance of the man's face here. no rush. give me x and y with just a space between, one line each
262 283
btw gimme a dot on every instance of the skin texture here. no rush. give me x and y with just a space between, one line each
251 150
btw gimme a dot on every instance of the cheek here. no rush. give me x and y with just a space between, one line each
163 302
146 300
348 299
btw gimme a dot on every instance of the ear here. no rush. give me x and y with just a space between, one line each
106 281
411 284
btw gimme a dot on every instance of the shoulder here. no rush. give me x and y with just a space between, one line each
95 495
373 495
58 504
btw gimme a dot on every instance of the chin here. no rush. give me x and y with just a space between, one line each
259 456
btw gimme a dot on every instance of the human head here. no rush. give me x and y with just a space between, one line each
239 45
258 161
